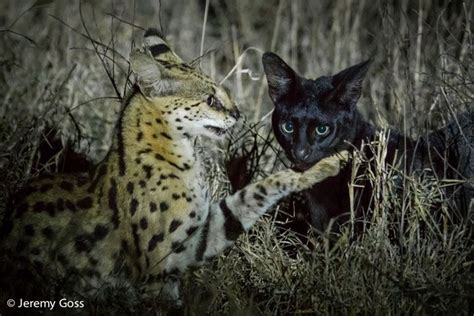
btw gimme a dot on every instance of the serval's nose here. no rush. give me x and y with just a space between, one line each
235 113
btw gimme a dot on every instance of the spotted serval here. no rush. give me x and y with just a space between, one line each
144 213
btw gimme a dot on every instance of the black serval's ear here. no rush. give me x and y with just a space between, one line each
348 85
280 77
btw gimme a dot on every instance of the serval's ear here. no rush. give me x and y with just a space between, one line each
282 79
155 43
152 77
348 85
154 66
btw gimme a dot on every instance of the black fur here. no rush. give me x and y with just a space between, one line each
330 102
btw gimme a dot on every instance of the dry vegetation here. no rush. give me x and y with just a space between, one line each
64 65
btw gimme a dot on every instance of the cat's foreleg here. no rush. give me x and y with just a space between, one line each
237 213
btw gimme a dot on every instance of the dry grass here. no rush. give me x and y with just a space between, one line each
52 74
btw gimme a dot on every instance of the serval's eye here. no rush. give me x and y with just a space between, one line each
211 100
322 130
288 127
214 103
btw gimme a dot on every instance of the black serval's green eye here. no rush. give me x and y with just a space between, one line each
288 127
322 130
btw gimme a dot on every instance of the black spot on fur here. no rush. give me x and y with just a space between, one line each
85 203
100 232
130 187
175 196
60 205
113 203
164 206
175 223
161 158
93 261
262 189
62 259
158 121
139 136
177 247
66 186
191 230
51 208
233 227
145 151
148 170
48 233
70 205
153 207
154 240
136 240
258 197
83 243
142 184
165 135
133 206
192 214
124 246
143 223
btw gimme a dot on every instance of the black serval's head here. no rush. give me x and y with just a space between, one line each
313 119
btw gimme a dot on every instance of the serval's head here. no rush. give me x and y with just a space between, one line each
195 101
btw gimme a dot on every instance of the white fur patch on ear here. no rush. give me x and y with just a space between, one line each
152 40
163 87
159 49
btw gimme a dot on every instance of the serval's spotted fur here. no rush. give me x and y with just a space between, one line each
144 214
